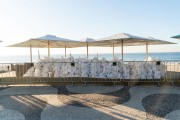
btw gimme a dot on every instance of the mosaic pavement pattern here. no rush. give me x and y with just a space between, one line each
87 96
91 102
161 104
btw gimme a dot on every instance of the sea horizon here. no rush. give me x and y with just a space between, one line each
164 56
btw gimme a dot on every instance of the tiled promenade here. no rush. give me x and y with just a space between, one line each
89 102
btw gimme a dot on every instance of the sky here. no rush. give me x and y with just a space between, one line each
21 20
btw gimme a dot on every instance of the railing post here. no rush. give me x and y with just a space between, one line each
146 51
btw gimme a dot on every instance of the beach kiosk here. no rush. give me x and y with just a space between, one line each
134 68
95 70
47 41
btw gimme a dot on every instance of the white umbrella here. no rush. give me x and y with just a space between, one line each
124 39
176 37
48 41
87 41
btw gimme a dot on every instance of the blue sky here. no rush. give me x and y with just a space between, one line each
76 19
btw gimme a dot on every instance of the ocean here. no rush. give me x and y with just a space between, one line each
127 57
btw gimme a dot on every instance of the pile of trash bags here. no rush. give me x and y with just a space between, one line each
95 68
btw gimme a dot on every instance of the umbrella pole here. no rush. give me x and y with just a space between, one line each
122 51
146 51
39 55
65 50
87 51
31 53
113 51
48 50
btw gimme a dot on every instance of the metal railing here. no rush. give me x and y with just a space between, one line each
27 73
141 71
173 71
11 73
106 71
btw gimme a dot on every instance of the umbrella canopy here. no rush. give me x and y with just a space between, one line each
47 41
124 39
177 37
86 42
128 40
42 42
